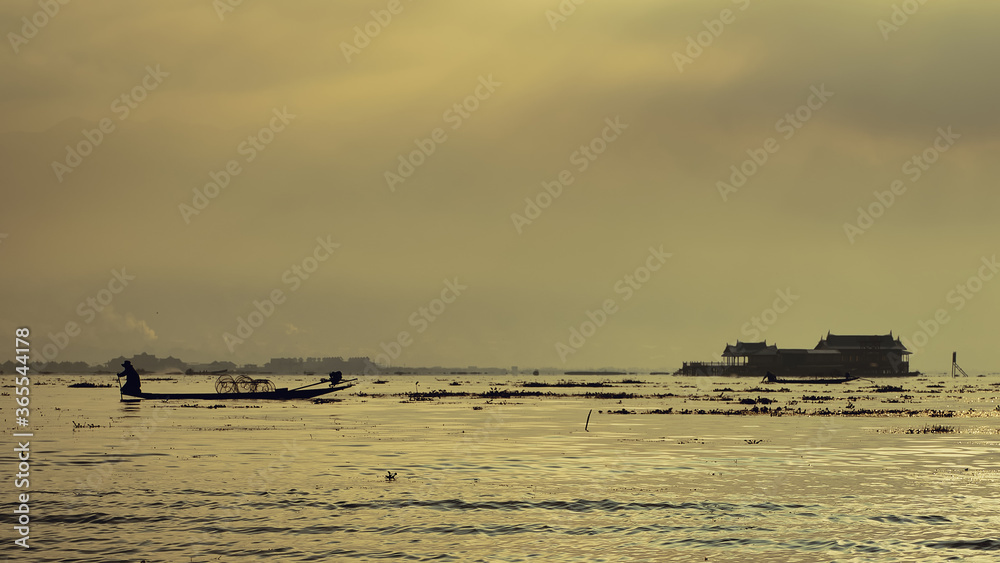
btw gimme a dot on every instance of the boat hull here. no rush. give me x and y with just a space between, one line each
807 381
771 378
277 395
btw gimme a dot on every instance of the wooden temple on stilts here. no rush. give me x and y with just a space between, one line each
835 355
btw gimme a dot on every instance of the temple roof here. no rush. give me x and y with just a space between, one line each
861 342
746 348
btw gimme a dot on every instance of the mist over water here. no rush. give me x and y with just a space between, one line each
486 471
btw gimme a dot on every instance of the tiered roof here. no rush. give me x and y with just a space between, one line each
861 342
742 349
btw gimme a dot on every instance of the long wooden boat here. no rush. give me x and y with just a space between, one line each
771 378
273 395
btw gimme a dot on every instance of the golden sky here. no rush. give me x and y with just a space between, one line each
382 161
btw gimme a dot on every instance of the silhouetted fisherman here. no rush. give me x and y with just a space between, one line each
132 384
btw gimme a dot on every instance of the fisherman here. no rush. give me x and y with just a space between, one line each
132 384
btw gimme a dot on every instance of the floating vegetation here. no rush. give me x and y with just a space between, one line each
564 383
758 401
933 429
597 395
496 392
779 411
900 399
887 389
926 429
77 425
413 397
886 398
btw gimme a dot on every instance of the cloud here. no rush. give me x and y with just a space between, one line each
126 324
324 174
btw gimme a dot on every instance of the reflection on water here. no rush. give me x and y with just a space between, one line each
515 478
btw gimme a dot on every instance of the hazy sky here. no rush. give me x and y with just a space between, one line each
654 247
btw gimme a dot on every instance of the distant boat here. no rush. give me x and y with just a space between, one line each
771 378
243 387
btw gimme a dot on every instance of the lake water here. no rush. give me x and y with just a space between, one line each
488 470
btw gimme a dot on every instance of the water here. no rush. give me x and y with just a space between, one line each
508 478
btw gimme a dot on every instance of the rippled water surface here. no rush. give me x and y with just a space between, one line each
484 473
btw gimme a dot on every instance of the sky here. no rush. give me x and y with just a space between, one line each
521 183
